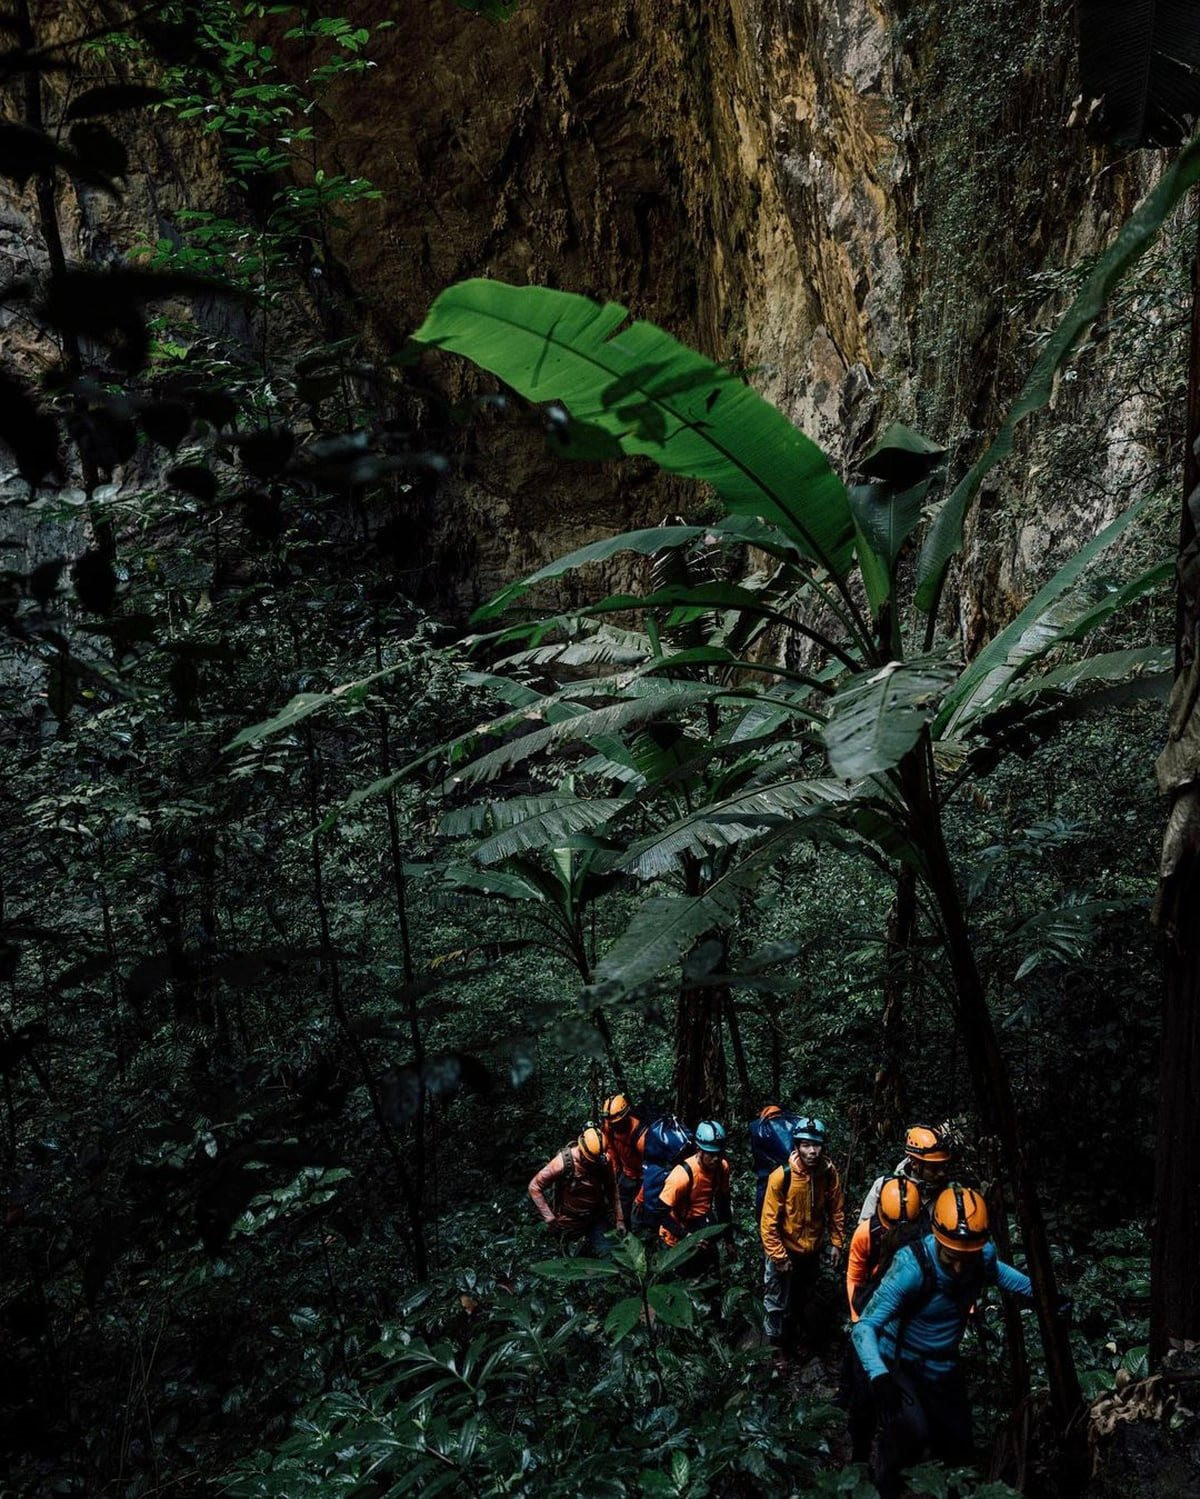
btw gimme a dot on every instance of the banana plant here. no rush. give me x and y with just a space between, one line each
900 733
635 386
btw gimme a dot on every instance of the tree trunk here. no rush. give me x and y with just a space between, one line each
745 1091
700 1087
889 1103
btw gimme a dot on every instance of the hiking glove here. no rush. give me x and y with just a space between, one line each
889 1397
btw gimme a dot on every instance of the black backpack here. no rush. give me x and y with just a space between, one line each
964 1293
890 1241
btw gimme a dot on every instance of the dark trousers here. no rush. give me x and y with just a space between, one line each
787 1300
935 1417
861 1413
705 1266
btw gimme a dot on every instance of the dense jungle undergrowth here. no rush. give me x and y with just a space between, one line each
323 928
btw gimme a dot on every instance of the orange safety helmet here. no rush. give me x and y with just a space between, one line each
591 1144
772 1111
899 1201
925 1144
960 1219
614 1108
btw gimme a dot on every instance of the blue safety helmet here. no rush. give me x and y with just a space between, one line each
710 1137
808 1130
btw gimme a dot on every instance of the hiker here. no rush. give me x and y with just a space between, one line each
770 1145
695 1194
908 1335
896 1221
926 1161
583 1192
624 1138
802 1213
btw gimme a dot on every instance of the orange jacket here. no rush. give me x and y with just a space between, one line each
799 1220
692 1196
625 1142
859 1267
591 1192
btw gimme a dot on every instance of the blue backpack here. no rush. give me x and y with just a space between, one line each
667 1143
771 1145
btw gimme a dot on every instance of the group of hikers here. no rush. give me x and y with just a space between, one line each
917 1263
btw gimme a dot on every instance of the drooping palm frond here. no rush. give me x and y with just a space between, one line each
663 929
729 822
531 822
1065 931
1057 613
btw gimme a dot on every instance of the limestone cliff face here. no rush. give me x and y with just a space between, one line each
730 171
870 205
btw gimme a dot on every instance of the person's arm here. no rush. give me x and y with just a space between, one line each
887 1303
858 1266
544 1179
1006 1276
618 1220
768 1223
676 1186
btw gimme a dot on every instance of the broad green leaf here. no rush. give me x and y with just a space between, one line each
901 457
877 580
732 820
887 518
623 1318
1135 237
1146 661
496 882
574 1269
878 716
588 724
670 1259
658 398
672 1303
539 822
733 530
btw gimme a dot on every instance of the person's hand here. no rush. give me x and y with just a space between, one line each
782 1267
835 1256
889 1397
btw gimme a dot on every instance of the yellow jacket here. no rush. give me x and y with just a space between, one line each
799 1220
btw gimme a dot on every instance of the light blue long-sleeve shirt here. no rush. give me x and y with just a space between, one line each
931 1332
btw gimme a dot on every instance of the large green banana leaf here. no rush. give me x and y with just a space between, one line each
656 397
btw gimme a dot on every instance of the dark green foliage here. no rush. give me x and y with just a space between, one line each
267 1064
